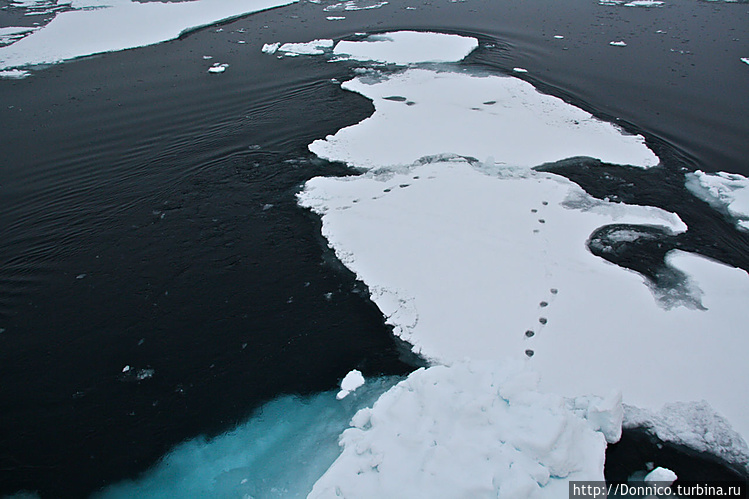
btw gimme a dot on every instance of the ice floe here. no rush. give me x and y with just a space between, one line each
473 429
465 261
726 192
471 254
315 47
620 43
745 59
352 5
111 25
408 47
14 74
501 117
218 68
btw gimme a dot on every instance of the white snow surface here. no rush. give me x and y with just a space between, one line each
408 47
473 429
727 192
661 474
111 25
498 116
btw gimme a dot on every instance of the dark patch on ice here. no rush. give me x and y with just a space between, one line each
410 103
543 304
533 210
541 221
403 186
643 248
396 98
529 353
529 333
553 291
490 103
543 320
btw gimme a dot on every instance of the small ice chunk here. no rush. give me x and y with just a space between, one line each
315 47
126 369
661 475
335 18
80 276
620 43
14 74
350 382
218 68
745 59
520 70
644 3
207 57
408 47
270 48
558 37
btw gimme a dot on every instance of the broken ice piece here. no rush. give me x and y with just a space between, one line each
349 383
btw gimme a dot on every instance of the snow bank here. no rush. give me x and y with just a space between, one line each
726 192
420 112
407 47
474 429
110 25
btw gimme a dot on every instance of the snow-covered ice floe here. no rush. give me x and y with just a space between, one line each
473 256
421 112
407 47
315 47
726 192
14 74
111 25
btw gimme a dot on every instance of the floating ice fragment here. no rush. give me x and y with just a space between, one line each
618 44
644 3
660 474
315 47
80 276
745 59
350 382
14 74
271 48
126 369
726 192
335 18
218 68
207 57
520 70
558 37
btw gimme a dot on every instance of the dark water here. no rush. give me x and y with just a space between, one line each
147 212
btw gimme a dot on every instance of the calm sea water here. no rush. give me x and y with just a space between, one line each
158 281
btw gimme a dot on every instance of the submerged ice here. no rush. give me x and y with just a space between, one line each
279 453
